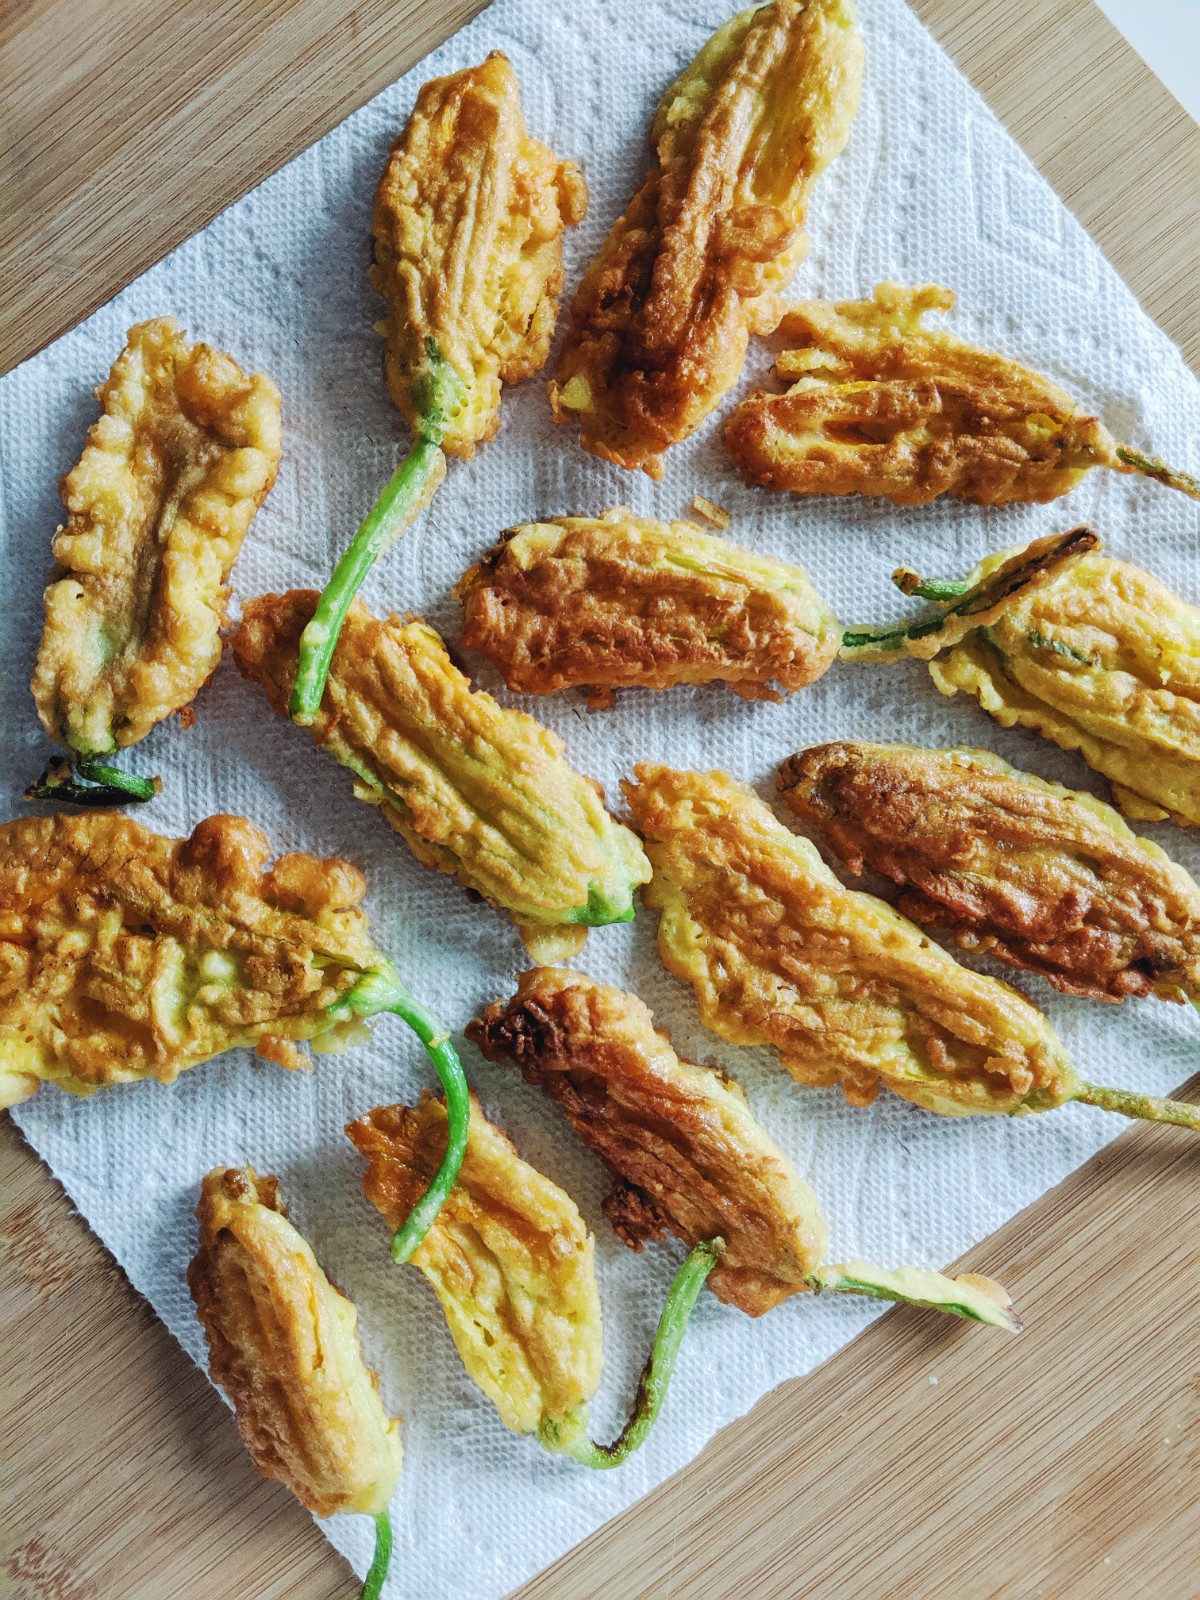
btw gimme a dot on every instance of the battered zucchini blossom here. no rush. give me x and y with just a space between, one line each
1041 876
283 1344
618 601
478 791
661 320
124 955
468 220
1090 652
686 1154
879 404
845 988
158 504
511 1260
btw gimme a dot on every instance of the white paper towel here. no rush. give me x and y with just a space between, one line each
929 188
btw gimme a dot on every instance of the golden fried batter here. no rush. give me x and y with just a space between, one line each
616 600
509 1257
1088 651
283 1344
1042 876
469 217
661 320
125 955
477 790
881 405
686 1153
159 503
844 987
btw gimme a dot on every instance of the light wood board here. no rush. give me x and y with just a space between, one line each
1061 1464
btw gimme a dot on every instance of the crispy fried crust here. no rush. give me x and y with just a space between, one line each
845 988
1103 659
468 220
619 601
159 503
125 955
1043 877
661 319
283 1344
477 790
687 1155
509 1257
881 405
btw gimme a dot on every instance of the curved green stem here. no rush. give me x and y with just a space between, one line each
1148 1107
93 784
977 1299
1152 467
656 1375
940 590
402 498
373 1584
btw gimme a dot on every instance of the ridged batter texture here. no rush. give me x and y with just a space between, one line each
283 1344
660 322
680 1140
1101 658
509 1257
158 504
845 988
1041 876
477 790
619 601
126 955
468 221
878 404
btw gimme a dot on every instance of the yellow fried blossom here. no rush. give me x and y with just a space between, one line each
617 600
283 1344
158 504
661 320
878 404
845 988
477 790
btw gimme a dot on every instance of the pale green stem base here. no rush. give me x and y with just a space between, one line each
373 1585
1147 1107
656 1375
1152 467
401 499
958 1297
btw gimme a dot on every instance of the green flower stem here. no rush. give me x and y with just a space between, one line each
381 992
1148 1107
1152 467
940 590
92 783
910 1286
656 1375
401 499
373 1585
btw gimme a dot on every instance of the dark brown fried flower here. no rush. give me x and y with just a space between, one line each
619 601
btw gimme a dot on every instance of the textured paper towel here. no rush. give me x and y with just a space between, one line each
929 188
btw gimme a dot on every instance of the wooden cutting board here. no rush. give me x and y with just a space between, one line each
925 1460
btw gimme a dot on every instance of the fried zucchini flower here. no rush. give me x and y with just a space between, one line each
881 405
125 955
283 1344
661 320
845 988
468 221
511 1261
158 504
478 791
686 1154
1090 652
618 601
1043 877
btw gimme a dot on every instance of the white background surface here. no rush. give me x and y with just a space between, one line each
930 188
1166 34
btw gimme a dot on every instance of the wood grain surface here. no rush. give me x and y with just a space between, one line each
926 1460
